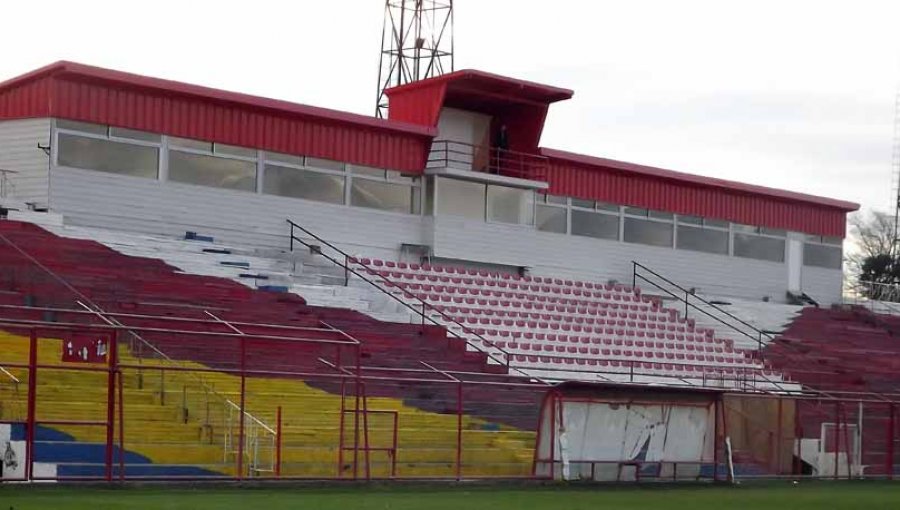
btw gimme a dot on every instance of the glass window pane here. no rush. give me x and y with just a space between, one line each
510 205
108 156
653 233
134 134
832 240
284 158
233 150
745 228
551 219
591 224
773 231
636 211
690 220
293 182
715 223
461 198
188 143
382 195
661 215
702 239
587 204
429 195
603 206
212 171
819 255
324 164
86 127
367 170
555 199
762 248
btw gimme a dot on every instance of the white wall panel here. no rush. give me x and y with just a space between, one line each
105 200
19 152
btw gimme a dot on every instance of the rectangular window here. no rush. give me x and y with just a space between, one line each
212 171
297 183
187 143
133 134
284 158
551 219
654 233
107 156
84 127
324 164
578 202
820 255
385 196
761 248
702 239
233 150
461 198
510 205
594 224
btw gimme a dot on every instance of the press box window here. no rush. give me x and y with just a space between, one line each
107 156
298 183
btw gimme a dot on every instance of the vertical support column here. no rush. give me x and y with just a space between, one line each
30 427
716 439
110 404
243 400
779 438
553 404
278 430
459 428
889 461
837 437
366 446
121 426
798 435
356 415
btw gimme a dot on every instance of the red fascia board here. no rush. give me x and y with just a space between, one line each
546 93
660 173
76 71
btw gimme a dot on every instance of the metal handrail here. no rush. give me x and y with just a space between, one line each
425 305
483 158
759 334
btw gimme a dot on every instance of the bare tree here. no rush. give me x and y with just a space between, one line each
875 259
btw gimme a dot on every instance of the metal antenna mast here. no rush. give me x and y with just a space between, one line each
416 43
895 172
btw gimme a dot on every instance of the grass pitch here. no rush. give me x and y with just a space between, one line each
770 496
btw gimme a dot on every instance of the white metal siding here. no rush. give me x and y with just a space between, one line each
821 284
117 202
19 152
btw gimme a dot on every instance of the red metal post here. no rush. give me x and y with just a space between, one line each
32 397
278 442
365 403
356 416
798 435
716 439
837 437
847 445
341 428
240 454
110 405
121 426
778 437
889 461
459 429
394 445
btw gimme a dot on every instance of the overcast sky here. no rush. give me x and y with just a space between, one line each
790 94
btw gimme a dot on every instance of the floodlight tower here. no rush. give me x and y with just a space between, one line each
416 43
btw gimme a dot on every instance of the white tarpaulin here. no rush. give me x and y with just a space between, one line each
608 434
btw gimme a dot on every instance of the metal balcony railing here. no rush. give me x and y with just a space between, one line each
491 160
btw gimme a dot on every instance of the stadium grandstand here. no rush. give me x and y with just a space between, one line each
200 285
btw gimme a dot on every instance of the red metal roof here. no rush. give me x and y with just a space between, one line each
91 94
484 84
708 182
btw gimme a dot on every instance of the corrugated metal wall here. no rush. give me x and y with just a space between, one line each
27 101
620 187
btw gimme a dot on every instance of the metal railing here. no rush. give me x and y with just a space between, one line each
491 160
422 308
691 301
876 297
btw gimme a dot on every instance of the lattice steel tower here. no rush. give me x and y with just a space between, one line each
416 43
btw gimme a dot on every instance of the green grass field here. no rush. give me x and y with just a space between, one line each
770 496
